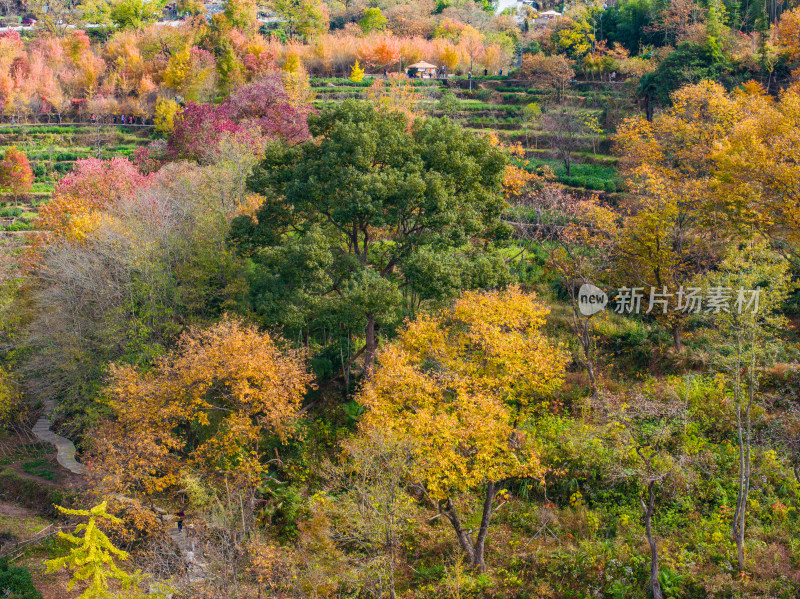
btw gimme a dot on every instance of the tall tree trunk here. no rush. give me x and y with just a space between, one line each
580 326
478 560
447 508
648 508
676 337
474 551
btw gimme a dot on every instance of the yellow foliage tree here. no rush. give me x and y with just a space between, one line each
788 34
164 115
92 557
204 406
179 68
674 230
357 73
298 87
292 63
459 386
758 166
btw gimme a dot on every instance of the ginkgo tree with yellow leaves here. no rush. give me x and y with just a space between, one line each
93 557
459 386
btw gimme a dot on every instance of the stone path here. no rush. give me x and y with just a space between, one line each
65 447
66 457
195 569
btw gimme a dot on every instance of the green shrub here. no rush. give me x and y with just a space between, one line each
16 582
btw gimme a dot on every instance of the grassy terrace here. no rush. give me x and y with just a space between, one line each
497 105
494 104
52 151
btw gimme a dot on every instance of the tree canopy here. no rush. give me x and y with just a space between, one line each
372 217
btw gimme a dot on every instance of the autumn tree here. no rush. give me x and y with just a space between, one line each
357 73
262 108
164 115
16 174
205 405
676 20
788 33
667 238
191 73
554 72
471 41
376 214
575 36
119 279
92 556
460 386
91 187
755 174
379 50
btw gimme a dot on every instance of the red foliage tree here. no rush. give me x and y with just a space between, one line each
262 107
101 183
265 104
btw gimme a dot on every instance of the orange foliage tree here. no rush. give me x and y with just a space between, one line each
205 407
788 33
379 51
89 189
15 173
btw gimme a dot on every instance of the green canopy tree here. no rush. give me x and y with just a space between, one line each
125 14
373 20
374 216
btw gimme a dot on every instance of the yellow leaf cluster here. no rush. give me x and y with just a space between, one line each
457 384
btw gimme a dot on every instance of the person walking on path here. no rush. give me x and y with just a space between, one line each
181 515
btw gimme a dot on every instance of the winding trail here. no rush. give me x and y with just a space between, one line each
66 458
65 447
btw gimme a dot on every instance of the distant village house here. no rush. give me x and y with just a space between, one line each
424 69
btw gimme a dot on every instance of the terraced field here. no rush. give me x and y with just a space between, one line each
52 151
498 105
492 104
